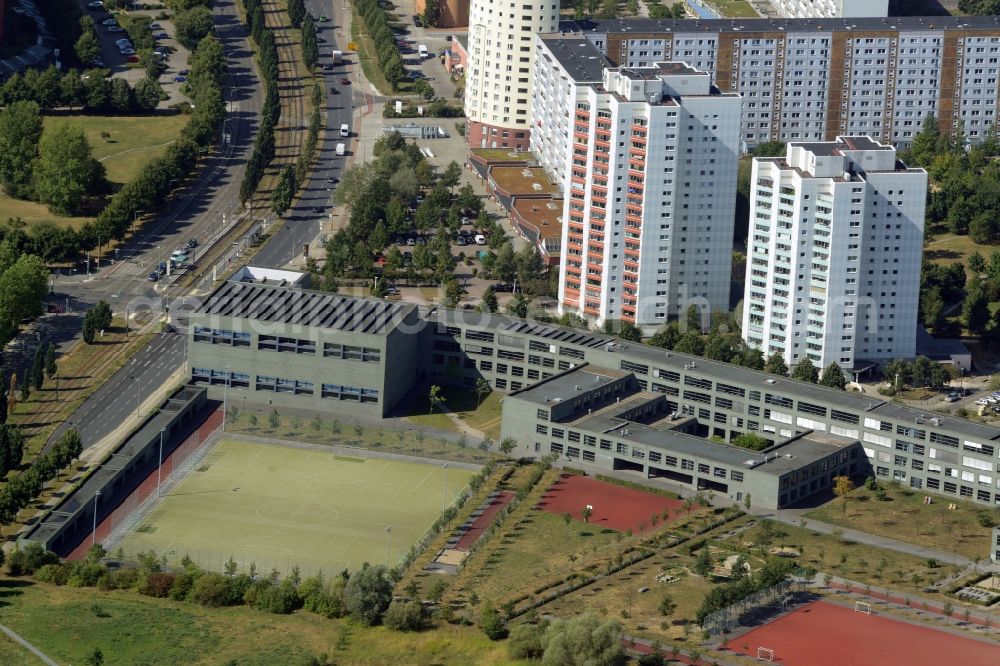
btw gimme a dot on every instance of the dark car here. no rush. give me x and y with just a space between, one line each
417 22
169 328
192 243
180 79
407 258
461 241
318 209
334 91
345 81
501 287
153 277
327 67
332 179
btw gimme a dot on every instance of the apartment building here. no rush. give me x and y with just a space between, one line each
927 452
498 79
649 172
812 79
836 241
831 8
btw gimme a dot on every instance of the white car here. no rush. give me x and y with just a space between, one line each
123 40
96 4
115 28
127 52
982 401
109 21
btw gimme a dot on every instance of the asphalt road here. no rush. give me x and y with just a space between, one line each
116 399
304 221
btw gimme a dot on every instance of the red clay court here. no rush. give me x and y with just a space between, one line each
480 524
615 507
826 634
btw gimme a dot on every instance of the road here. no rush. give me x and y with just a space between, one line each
111 404
125 285
304 221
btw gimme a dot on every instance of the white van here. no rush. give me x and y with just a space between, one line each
345 130
422 50
480 239
341 149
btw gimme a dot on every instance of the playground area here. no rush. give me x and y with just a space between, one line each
281 506
613 506
827 634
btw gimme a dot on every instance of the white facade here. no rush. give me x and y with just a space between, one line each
835 247
650 176
501 56
831 8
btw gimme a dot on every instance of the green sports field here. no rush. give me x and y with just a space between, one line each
280 506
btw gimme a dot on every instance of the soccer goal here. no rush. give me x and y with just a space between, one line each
765 654
863 607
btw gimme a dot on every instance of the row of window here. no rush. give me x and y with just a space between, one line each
278 343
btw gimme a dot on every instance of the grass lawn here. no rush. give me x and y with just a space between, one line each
734 8
484 417
280 506
947 248
366 55
69 623
906 518
335 433
135 140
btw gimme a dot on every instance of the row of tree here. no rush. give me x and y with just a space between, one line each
90 91
193 25
11 447
377 24
310 45
22 488
292 177
263 149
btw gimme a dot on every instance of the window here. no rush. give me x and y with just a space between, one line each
352 393
219 336
542 414
350 353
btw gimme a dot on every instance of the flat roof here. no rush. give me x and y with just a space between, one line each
503 154
462 38
566 385
544 214
938 348
515 180
869 24
718 371
272 303
582 61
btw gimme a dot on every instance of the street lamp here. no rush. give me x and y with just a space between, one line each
225 397
159 467
444 495
93 532
387 530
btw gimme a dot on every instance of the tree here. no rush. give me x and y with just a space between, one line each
585 640
805 371
667 337
89 330
776 365
976 263
750 440
38 367
147 94
507 446
404 616
833 376
368 594
842 488
281 197
20 134
491 623
690 343
192 25
88 46
120 96
483 389
434 397
310 46
975 310
932 308
274 419
23 287
95 658
667 606
926 142
693 319
489 303
66 170
624 330
525 641
432 10
451 176
296 12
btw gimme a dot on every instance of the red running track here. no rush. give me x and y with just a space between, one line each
825 634
615 506
480 524
148 485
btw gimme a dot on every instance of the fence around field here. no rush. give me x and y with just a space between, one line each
130 512
729 618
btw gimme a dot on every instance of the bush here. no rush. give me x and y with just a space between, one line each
25 561
52 573
158 585
404 616
181 588
492 624
211 591
368 594
86 574
525 642
278 599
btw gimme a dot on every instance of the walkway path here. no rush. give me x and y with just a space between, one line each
28 646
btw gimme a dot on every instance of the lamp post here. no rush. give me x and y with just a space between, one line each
93 532
159 467
225 398
444 494
387 530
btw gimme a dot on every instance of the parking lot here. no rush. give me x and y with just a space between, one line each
124 64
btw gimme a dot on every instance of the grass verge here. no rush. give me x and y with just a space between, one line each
484 417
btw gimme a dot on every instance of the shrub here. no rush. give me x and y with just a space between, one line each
181 588
491 623
368 594
404 616
56 574
525 642
210 590
25 561
158 585
86 574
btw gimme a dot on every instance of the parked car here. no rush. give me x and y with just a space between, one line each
183 72
411 241
332 179
95 5
161 35
162 268
318 209
122 42
54 308
97 62
982 401
153 277
407 258
132 58
461 241
180 79
327 67
155 26
192 243
109 21
392 291
344 81
127 52
421 240
115 28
